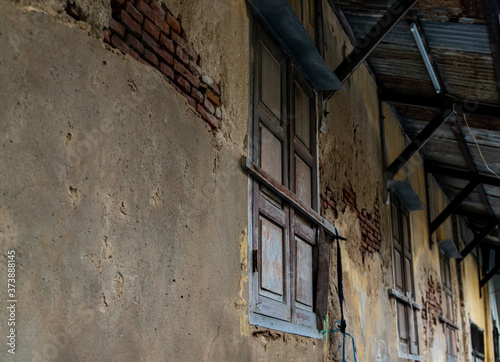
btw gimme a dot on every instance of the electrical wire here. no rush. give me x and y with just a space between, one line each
477 144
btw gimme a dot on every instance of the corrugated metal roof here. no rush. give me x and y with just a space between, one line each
459 44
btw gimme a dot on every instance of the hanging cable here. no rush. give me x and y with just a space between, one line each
477 144
341 326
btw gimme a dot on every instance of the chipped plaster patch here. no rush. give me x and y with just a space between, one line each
242 304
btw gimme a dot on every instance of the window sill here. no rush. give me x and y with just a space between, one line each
445 320
403 298
283 326
256 172
411 357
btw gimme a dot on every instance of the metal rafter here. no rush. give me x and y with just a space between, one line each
453 205
366 45
478 239
489 112
418 142
464 150
444 170
490 275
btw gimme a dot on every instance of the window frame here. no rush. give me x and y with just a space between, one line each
448 318
292 147
402 298
479 338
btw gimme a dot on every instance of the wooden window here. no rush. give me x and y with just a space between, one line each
448 317
477 341
403 279
285 242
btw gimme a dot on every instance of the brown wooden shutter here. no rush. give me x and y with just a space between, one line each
322 255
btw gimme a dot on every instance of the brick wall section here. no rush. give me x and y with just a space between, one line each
147 31
327 200
371 238
432 307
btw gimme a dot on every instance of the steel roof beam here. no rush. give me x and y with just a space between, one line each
442 102
460 174
454 204
376 34
478 239
417 143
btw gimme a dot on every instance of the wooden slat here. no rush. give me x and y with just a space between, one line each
263 177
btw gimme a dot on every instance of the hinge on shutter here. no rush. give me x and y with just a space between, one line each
254 260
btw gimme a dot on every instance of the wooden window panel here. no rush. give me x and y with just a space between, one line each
304 286
398 271
303 182
272 253
403 327
302 116
408 274
271 155
270 81
414 334
301 260
403 274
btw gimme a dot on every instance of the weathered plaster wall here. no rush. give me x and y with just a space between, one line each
350 154
128 214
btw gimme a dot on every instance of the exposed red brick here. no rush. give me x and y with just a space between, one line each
181 55
152 29
213 98
208 105
183 83
195 69
166 70
73 11
197 95
178 67
124 48
173 23
156 6
151 58
107 35
216 89
218 113
149 42
167 43
132 41
133 12
130 23
117 28
165 56
143 7
214 122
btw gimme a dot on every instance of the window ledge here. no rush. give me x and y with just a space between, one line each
412 357
445 320
258 173
403 298
283 326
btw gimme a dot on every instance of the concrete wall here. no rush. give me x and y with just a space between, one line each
129 214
